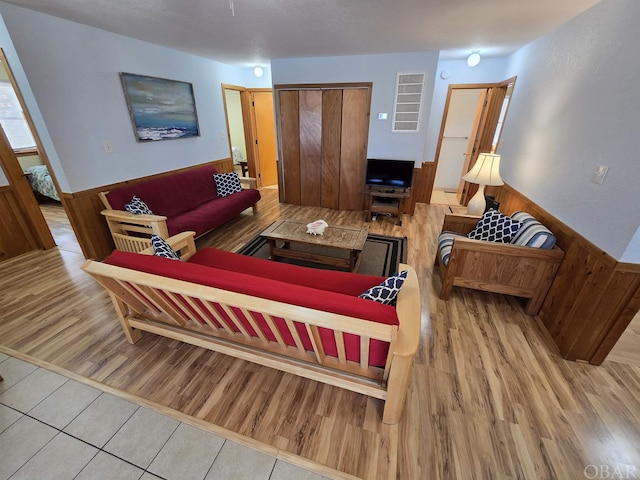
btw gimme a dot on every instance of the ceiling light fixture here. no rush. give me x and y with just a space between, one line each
473 59
232 8
258 72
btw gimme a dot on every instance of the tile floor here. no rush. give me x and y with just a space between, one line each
52 428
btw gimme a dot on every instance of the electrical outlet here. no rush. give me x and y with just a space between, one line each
223 135
598 174
107 147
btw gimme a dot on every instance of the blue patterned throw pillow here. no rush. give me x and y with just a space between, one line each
495 227
162 248
137 206
227 183
388 290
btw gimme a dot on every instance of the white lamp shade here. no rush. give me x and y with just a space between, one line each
486 170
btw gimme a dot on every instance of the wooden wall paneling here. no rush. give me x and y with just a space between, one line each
90 227
629 309
593 297
290 145
310 112
32 223
331 140
224 165
353 155
422 186
16 237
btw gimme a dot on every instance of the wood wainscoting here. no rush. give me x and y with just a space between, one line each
422 185
17 237
593 298
83 209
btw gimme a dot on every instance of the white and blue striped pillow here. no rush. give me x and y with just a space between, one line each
445 245
532 233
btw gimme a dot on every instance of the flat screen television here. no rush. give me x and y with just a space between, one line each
389 173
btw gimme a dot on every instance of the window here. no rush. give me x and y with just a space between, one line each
409 89
12 118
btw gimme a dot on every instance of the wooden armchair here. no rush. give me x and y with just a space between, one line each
496 267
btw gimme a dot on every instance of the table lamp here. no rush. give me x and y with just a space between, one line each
486 171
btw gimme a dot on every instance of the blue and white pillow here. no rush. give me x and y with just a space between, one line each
137 206
388 290
495 226
162 249
227 183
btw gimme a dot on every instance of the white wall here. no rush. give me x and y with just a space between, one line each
73 72
576 105
382 70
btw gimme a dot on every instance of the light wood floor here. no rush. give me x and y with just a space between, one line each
489 396
58 223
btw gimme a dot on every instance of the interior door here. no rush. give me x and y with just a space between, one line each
472 150
489 117
262 103
458 136
492 119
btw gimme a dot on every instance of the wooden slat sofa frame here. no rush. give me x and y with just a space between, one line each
190 313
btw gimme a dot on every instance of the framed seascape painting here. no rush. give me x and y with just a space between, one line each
160 109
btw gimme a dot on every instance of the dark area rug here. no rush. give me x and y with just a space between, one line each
380 256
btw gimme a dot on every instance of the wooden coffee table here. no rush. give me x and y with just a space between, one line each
346 239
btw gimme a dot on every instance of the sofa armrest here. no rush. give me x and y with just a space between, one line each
182 243
131 232
250 182
405 346
157 223
459 223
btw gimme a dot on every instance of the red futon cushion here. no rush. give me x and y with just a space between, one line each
256 286
347 283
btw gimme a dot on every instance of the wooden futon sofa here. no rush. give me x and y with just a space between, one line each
183 201
305 321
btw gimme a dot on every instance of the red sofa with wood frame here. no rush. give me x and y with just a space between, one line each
305 321
180 202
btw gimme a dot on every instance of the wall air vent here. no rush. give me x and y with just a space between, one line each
407 108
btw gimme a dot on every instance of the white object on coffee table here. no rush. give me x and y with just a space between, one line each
317 227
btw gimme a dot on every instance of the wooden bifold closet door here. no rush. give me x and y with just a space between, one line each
323 133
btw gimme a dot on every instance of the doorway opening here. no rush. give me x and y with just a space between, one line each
252 141
28 171
472 122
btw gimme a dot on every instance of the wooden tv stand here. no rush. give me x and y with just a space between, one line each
386 200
